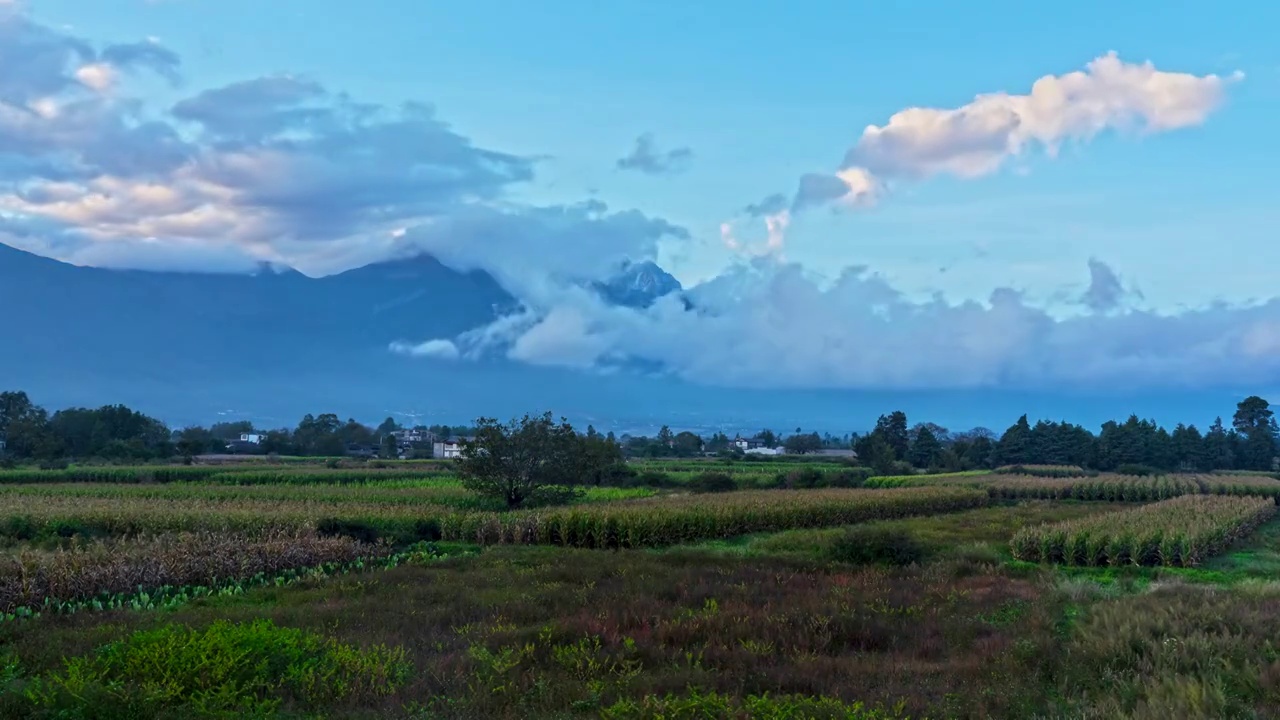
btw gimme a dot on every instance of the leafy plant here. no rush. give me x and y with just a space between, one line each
224 670
876 546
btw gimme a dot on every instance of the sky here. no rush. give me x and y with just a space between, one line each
858 195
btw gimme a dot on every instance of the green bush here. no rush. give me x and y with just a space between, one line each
244 670
654 479
364 532
711 482
850 478
875 546
714 706
1137 469
805 479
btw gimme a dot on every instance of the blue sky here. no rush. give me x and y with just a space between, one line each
1178 207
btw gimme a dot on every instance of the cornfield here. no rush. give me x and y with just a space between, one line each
1129 489
1181 532
205 558
678 519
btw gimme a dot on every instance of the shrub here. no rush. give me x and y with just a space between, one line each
805 479
876 546
850 478
1137 470
695 705
655 479
224 670
355 529
713 482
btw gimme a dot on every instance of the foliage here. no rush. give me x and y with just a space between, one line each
1177 652
526 458
695 705
227 670
876 546
712 482
1137 470
1181 532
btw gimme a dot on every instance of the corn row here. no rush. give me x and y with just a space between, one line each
680 519
1181 532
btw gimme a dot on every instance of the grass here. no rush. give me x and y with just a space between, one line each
981 532
549 632
763 612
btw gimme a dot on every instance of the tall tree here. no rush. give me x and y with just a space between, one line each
1015 445
925 449
892 428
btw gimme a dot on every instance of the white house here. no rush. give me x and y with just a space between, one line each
447 449
255 438
764 451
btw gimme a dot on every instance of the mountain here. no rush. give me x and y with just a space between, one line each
276 344
638 285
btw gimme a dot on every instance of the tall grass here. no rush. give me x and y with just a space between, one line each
1180 532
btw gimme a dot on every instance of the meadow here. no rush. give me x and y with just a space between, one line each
798 590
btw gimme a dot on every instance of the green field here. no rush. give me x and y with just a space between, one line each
303 591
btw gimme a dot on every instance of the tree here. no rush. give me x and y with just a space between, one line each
1252 413
387 427
195 440
1254 421
1015 445
801 444
687 444
530 459
926 448
892 428
769 438
666 437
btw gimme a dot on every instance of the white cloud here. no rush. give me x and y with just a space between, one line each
97 76
977 138
774 325
438 349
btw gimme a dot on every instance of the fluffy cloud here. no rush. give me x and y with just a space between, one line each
645 157
774 325
977 139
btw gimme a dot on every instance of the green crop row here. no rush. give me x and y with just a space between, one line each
1180 532
679 519
1118 488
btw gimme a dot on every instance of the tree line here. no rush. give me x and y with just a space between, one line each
1251 442
114 432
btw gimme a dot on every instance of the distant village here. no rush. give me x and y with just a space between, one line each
421 443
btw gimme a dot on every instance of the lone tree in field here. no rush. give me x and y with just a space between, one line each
532 458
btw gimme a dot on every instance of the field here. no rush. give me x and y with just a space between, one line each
355 592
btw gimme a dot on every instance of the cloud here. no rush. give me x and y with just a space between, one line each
437 349
770 205
645 157
1105 291
978 138
770 324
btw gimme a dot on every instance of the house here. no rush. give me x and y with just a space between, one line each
255 438
449 449
761 450
748 444
409 438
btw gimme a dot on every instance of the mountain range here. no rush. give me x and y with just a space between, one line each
275 344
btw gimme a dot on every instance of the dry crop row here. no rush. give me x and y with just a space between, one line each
26 517
201 559
678 519
1181 532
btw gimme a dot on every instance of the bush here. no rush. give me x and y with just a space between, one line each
851 478
655 479
805 479
224 670
333 527
876 546
1137 469
713 482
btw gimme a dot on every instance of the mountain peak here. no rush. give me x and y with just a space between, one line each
638 284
